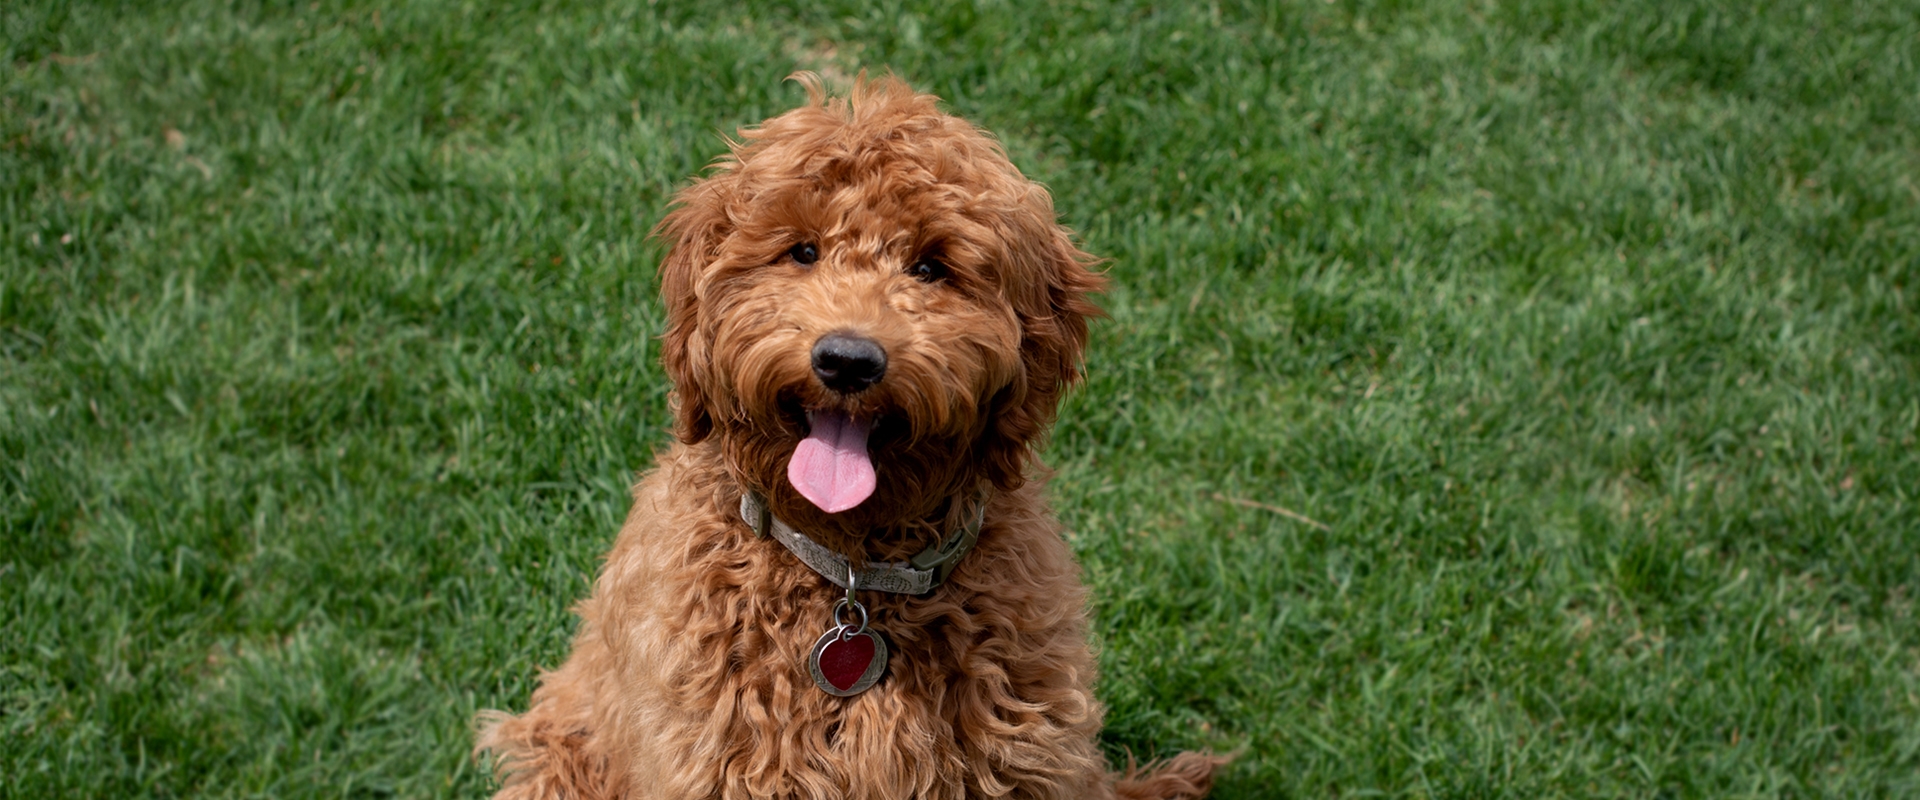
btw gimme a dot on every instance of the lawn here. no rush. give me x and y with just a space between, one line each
1502 399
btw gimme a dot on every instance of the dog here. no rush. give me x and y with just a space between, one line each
842 580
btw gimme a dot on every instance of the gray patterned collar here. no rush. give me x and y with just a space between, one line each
917 575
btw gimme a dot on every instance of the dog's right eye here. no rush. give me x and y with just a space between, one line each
804 253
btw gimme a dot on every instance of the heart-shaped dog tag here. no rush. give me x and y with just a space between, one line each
847 661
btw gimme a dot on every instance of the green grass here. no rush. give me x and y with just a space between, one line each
1590 331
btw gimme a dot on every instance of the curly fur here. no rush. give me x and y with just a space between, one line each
687 677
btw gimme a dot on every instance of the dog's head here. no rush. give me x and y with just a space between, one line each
870 308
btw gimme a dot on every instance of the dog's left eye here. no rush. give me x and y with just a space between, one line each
927 270
804 253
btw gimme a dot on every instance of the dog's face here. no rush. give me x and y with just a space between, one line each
871 309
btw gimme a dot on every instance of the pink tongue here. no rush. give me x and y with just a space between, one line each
831 467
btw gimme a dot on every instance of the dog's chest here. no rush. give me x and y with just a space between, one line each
906 735
689 679
987 683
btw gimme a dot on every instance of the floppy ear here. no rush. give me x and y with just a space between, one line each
1051 280
693 231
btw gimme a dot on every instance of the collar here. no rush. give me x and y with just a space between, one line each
917 575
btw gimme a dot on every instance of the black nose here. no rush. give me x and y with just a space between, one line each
848 363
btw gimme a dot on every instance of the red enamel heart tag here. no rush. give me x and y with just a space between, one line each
846 661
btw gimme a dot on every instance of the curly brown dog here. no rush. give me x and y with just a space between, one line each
871 317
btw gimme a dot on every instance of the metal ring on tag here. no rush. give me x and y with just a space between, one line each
840 623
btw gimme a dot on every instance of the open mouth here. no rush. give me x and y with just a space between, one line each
831 467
